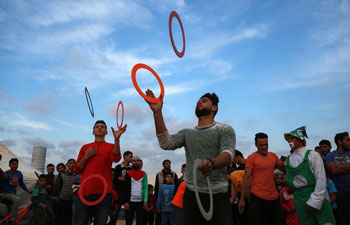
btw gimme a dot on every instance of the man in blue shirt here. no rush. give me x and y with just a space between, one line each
338 163
13 177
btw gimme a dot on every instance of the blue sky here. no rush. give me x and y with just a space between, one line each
275 66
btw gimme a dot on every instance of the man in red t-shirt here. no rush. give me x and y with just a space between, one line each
264 200
97 158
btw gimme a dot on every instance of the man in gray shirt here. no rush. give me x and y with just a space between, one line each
210 141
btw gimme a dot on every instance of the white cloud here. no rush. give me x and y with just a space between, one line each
42 104
21 120
207 47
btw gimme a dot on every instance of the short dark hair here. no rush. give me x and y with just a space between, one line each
42 176
340 137
60 164
127 153
167 160
150 186
170 174
13 160
100 121
183 166
213 98
260 135
325 142
50 165
317 148
238 153
70 160
283 158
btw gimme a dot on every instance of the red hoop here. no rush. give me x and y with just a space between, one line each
87 95
6 218
179 54
22 216
80 192
22 210
133 77
121 123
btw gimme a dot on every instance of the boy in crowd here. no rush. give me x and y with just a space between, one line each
151 206
13 177
42 205
164 198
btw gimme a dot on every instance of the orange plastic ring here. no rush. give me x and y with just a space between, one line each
121 122
179 54
133 77
83 200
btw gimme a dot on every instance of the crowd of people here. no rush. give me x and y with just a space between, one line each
307 187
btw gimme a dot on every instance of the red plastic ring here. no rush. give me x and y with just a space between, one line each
83 200
22 216
121 123
133 77
179 54
22 210
6 218
89 102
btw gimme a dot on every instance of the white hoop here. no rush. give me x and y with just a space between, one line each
207 215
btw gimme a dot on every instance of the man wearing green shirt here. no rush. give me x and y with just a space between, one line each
210 141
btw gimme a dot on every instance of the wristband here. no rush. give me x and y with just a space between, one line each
212 164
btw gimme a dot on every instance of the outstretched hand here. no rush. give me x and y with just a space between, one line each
155 107
119 132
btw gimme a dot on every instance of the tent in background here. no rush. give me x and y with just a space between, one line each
28 172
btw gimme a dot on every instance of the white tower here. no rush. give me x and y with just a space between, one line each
38 158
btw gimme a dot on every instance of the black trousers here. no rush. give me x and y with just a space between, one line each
129 214
222 213
266 212
64 212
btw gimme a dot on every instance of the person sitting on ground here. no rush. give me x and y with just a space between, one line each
12 179
165 196
42 203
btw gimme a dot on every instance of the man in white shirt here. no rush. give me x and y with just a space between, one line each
306 175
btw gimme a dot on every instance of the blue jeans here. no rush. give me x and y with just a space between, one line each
168 218
343 201
99 212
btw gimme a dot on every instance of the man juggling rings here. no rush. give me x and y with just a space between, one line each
210 141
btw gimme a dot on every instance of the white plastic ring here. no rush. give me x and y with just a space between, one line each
207 215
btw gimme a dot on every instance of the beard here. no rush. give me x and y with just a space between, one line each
345 148
136 166
202 112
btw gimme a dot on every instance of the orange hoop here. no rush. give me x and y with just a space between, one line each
133 77
179 54
80 192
